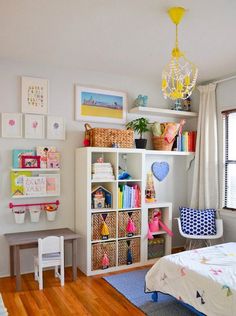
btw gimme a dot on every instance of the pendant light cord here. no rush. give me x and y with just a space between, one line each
176 36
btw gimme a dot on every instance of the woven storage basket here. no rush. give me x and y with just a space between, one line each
156 247
123 249
105 137
98 251
97 222
123 221
159 143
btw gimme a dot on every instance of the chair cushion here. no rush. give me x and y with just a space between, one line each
198 222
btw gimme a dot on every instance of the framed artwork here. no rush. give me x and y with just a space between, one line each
30 161
99 105
34 186
12 125
55 127
52 183
34 126
34 95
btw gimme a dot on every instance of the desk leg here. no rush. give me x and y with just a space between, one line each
74 259
17 267
12 264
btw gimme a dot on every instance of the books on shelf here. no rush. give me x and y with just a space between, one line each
129 196
186 141
102 171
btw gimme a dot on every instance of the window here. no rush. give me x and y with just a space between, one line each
230 159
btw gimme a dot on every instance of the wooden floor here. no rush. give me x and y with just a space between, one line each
86 296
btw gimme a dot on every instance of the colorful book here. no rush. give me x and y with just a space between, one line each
17 187
17 154
43 153
53 160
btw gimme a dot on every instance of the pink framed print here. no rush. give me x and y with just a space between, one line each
12 125
34 126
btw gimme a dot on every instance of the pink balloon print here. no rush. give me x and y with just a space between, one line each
35 124
12 122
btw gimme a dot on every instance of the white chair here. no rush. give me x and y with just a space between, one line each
192 240
50 254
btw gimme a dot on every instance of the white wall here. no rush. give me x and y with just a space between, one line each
226 99
62 104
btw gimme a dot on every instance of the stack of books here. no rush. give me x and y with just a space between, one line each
102 171
186 141
129 196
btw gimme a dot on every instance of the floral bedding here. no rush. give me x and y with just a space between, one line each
203 278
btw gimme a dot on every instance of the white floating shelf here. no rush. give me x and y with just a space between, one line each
169 153
162 112
32 196
35 169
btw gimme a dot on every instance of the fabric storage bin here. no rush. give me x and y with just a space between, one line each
156 247
98 251
97 222
123 246
105 137
123 218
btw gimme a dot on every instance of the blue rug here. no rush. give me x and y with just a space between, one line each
131 285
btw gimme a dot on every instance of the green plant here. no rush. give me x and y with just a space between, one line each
139 125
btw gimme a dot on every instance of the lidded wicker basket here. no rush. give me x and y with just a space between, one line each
106 137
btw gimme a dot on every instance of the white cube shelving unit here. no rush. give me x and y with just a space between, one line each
86 214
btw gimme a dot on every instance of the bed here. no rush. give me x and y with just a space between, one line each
203 278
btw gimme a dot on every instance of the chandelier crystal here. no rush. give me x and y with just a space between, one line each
180 75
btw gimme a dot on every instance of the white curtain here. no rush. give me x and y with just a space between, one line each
205 191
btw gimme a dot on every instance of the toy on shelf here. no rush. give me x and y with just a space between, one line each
129 253
123 174
130 228
101 197
141 100
104 229
105 261
155 223
150 194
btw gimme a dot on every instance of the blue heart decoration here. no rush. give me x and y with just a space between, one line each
160 170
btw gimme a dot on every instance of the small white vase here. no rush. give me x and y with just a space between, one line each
51 215
34 214
19 218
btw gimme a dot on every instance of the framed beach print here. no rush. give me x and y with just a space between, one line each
34 95
52 184
55 127
97 105
12 125
34 126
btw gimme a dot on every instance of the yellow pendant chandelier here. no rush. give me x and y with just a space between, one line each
180 75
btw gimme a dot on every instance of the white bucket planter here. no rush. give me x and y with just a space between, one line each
19 217
34 214
51 215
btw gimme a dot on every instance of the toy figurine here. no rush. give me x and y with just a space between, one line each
104 229
155 222
105 261
141 100
129 253
130 228
150 191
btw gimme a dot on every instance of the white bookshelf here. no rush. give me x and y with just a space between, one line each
142 110
135 161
